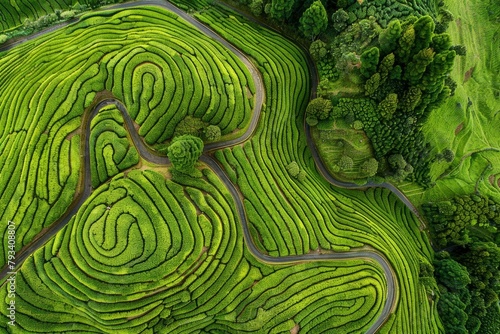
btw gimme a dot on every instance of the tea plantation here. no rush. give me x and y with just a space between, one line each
255 241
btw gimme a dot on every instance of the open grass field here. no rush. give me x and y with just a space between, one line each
149 254
470 131
139 56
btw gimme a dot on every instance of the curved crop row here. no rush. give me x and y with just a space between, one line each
14 12
292 216
150 255
110 148
138 55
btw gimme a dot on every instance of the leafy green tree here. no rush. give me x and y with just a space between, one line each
369 167
490 322
415 69
406 42
347 62
319 108
256 7
372 85
452 274
302 175
388 106
411 98
281 9
212 133
473 325
318 50
184 151
441 42
424 29
389 37
3 38
369 62
452 313
340 20
314 20
448 155
345 163
189 126
386 66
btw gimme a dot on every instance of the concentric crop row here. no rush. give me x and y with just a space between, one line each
158 65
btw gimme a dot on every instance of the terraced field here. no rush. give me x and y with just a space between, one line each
111 150
289 216
14 12
146 253
132 57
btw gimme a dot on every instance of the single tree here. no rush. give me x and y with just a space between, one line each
184 151
281 9
212 133
340 19
256 7
319 108
317 49
369 62
314 20
388 37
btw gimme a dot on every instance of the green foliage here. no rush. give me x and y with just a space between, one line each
461 50
416 67
318 50
345 163
451 220
452 274
369 167
452 313
340 19
293 169
189 126
314 20
281 9
184 151
257 6
388 106
212 133
319 108
369 61
3 38
388 37
424 29
372 84
441 42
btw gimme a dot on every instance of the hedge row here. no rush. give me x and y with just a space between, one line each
110 149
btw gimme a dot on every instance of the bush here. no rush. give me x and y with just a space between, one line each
345 163
212 133
184 151
68 14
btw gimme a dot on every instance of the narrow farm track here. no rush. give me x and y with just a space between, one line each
147 154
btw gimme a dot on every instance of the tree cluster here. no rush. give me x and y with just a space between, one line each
468 273
451 220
